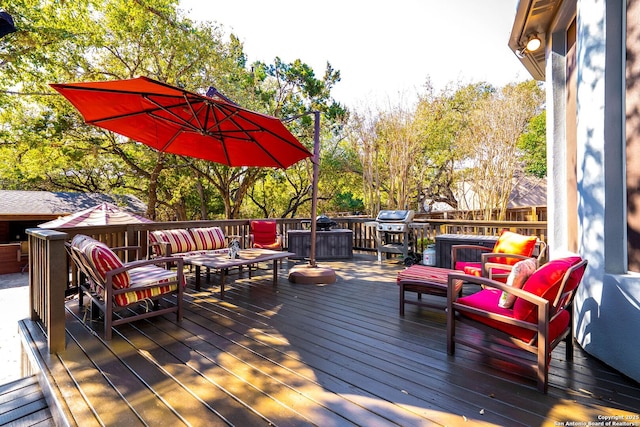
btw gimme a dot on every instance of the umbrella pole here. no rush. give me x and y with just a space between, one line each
312 273
314 188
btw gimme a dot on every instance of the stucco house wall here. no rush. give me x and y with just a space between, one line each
587 137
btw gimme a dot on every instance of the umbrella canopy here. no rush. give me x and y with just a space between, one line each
102 214
176 121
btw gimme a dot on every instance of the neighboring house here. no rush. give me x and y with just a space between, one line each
527 191
590 59
20 210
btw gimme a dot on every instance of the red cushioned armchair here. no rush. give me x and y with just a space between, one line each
264 234
496 263
539 319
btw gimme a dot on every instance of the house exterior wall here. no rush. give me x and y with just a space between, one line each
607 305
632 128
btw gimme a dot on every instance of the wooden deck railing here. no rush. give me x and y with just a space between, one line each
50 281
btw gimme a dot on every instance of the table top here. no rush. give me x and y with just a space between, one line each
246 256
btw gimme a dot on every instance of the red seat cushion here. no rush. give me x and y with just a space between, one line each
472 268
545 282
475 269
488 299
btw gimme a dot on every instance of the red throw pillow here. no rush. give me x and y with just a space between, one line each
545 282
513 243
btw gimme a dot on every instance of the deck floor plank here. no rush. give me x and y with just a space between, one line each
327 355
23 403
346 343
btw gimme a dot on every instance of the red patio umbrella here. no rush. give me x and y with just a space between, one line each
177 121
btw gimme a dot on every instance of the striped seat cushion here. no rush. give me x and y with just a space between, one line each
180 240
146 276
208 238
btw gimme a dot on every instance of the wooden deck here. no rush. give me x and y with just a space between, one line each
22 403
326 355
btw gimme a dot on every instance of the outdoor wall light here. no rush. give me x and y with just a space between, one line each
533 43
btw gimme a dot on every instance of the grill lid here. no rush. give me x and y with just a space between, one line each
395 216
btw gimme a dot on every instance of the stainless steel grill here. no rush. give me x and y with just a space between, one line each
393 232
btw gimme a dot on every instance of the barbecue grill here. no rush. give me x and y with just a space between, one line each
393 232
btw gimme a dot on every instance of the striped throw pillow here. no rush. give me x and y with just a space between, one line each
208 238
104 260
179 240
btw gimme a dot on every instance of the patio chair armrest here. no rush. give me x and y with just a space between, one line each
138 250
488 266
542 251
154 261
542 305
165 249
456 248
519 293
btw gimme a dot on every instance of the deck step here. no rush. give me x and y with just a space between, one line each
22 403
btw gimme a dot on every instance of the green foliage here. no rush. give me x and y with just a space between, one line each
346 202
533 144
46 145
392 158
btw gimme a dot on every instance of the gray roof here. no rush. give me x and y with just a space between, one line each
529 191
61 203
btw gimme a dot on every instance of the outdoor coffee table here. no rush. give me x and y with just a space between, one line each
425 280
223 263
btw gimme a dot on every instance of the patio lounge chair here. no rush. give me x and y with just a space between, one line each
114 286
264 234
495 263
539 319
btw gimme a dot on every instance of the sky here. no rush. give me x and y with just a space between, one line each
385 50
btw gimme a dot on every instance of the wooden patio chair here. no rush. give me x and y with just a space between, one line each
114 286
495 263
539 319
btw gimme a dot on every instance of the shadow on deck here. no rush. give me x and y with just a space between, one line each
328 355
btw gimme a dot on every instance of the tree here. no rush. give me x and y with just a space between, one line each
443 120
492 158
117 39
533 144
364 141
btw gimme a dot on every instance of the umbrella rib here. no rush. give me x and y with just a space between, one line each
251 138
258 127
152 112
211 110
